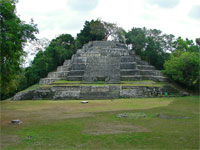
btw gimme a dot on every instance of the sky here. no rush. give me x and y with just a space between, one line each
55 17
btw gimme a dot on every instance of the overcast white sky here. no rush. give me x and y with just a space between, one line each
54 17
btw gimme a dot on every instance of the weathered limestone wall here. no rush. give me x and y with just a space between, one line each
95 92
102 68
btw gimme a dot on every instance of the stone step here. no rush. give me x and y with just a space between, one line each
125 59
89 54
64 94
141 62
150 72
58 74
128 72
100 95
67 62
99 49
74 78
143 77
47 80
103 44
65 88
145 67
78 66
63 68
131 78
76 73
138 58
128 65
129 58
78 59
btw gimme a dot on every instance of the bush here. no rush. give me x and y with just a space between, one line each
183 67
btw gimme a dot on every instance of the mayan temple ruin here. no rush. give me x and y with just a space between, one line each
101 70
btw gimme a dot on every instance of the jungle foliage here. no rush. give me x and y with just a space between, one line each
14 34
59 49
151 44
183 64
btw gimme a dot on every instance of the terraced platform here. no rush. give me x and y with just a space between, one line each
66 90
101 70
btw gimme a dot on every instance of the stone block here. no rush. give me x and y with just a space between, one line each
66 95
147 72
74 78
82 60
26 95
99 95
127 59
140 91
129 72
140 62
131 78
47 80
63 68
130 65
65 88
100 88
78 66
67 62
76 73
114 88
85 89
43 94
145 67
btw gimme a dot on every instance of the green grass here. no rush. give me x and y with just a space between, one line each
101 83
58 125
66 82
95 84
33 87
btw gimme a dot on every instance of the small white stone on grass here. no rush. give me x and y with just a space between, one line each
84 102
16 122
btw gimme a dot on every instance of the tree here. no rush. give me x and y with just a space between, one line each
14 34
185 45
59 49
116 33
92 31
152 45
183 65
99 30
33 47
38 69
198 42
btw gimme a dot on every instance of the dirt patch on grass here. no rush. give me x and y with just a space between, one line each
114 128
8 140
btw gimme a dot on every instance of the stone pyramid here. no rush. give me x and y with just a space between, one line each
101 70
105 61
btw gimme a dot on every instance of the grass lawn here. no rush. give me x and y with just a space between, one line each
102 83
162 123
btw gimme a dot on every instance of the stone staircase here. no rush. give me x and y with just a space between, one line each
60 74
106 61
133 68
